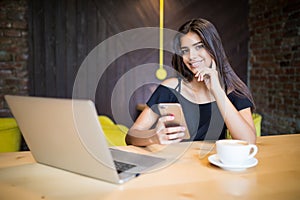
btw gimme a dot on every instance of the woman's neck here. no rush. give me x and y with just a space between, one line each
197 92
197 86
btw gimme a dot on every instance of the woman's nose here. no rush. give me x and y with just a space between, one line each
193 54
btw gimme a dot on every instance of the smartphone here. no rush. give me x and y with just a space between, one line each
174 109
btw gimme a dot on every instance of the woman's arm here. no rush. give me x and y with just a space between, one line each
239 123
141 134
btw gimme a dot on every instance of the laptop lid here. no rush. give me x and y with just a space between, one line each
66 133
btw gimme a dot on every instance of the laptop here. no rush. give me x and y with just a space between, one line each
66 134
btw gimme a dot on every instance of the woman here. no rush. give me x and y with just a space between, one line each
206 88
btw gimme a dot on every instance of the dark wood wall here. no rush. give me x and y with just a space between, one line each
63 32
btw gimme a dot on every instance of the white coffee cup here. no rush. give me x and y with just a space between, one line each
235 152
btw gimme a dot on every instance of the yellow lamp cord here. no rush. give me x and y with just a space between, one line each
161 73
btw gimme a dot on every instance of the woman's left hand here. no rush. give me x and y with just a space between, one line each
209 76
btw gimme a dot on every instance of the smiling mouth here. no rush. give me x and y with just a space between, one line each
196 64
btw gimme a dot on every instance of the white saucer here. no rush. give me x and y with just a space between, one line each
213 159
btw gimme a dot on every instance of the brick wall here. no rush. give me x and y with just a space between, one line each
13 50
274 63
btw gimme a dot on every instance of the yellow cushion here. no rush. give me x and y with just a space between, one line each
257 122
114 133
10 136
105 121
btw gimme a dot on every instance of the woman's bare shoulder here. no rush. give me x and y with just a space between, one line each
170 82
229 91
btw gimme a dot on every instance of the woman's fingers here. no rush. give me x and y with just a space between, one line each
165 119
172 131
175 136
171 138
203 74
167 135
161 123
213 66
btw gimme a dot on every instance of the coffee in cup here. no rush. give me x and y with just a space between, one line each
235 152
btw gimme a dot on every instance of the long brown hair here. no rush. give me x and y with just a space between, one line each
213 44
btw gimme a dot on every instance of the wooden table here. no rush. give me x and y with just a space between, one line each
277 176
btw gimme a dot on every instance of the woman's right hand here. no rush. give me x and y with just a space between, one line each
168 135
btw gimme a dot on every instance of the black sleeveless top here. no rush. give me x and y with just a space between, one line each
204 121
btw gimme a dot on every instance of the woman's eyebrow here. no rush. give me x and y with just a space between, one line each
200 42
184 47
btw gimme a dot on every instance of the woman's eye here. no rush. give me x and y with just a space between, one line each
199 46
184 51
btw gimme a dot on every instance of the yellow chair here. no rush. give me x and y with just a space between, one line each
257 118
114 133
10 136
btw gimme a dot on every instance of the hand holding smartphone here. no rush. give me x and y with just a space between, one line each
175 110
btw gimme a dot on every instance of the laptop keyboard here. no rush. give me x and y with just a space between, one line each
121 166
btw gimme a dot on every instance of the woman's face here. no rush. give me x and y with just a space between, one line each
194 54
